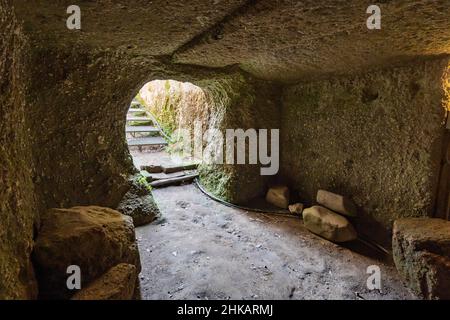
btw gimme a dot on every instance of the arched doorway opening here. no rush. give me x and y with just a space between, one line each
155 115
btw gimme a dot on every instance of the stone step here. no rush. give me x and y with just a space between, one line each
147 141
135 110
141 129
132 118
173 181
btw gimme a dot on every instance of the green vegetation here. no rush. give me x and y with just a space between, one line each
164 110
216 180
142 181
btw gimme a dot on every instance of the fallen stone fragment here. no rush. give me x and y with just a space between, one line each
116 284
152 168
296 209
328 224
336 203
421 250
93 238
278 196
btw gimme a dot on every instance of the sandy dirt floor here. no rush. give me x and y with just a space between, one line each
202 249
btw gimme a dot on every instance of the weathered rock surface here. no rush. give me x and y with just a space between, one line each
277 40
328 224
278 196
93 238
421 249
237 102
59 149
337 203
296 209
315 35
18 204
138 202
116 284
351 135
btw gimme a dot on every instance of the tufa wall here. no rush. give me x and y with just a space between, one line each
239 102
18 207
64 97
376 138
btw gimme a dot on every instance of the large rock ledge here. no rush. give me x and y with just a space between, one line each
93 238
421 249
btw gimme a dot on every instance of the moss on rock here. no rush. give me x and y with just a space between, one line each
138 202
238 102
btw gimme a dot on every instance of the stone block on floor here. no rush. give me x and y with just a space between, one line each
421 250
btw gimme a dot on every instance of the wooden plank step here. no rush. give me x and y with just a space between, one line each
147 141
139 119
177 168
141 129
173 181
165 176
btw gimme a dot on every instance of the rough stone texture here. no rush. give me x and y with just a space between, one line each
287 39
276 40
155 27
237 102
138 202
328 224
337 203
278 196
421 249
78 125
69 148
93 238
376 138
116 284
18 207
296 209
